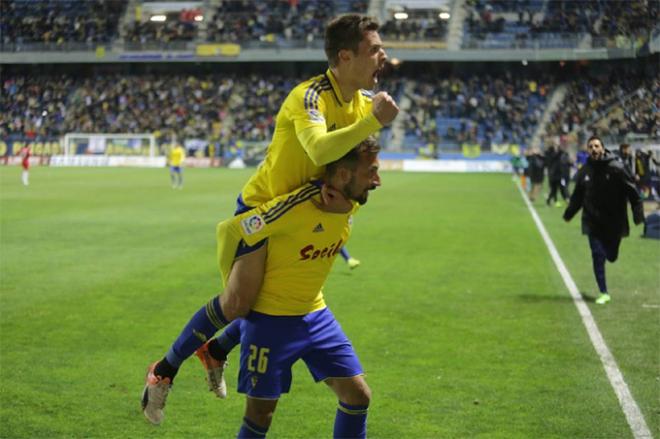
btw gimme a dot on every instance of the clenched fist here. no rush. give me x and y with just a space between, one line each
384 108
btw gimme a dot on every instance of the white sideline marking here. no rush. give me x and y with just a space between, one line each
628 405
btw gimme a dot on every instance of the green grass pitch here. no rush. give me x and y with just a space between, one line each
460 318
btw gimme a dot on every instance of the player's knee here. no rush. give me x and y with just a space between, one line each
359 394
233 306
260 411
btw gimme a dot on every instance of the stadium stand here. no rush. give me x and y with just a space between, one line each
419 25
480 108
614 105
558 23
273 21
447 108
59 24
212 106
178 26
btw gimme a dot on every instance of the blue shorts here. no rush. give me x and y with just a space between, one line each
243 248
175 169
270 345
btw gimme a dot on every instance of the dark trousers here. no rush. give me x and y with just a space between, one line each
562 186
602 250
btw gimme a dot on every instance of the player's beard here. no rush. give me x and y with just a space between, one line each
352 192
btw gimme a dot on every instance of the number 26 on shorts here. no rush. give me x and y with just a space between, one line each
260 355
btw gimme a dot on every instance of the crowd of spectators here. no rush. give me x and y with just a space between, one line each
206 107
614 105
482 109
421 25
275 20
629 18
611 20
178 26
57 22
35 106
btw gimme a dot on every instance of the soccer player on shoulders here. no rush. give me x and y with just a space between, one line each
319 122
176 158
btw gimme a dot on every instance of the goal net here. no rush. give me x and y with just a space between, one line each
103 149
142 144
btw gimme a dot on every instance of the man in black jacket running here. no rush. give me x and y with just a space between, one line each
602 189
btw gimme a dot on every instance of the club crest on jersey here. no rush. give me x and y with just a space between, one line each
253 224
318 228
315 116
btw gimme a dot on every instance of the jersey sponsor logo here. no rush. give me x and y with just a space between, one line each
315 116
309 252
253 224
318 228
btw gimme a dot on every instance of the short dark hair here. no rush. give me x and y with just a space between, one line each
351 158
346 32
624 146
595 137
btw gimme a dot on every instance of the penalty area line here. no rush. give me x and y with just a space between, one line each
630 408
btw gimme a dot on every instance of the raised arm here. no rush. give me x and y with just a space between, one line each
323 147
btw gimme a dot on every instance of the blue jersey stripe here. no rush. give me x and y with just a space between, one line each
291 199
316 94
306 97
283 207
310 91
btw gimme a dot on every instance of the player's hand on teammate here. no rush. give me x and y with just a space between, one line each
384 108
334 201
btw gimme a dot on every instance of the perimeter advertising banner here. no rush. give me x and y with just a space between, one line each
10 147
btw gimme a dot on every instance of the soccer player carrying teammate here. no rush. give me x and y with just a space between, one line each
319 121
290 320
177 156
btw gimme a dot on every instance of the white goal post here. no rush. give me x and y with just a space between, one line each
105 149
143 144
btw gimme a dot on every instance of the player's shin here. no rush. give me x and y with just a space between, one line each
350 421
201 327
251 430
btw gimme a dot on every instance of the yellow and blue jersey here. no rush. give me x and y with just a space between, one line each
177 156
314 126
303 242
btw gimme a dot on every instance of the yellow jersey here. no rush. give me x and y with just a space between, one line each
303 242
314 126
177 156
